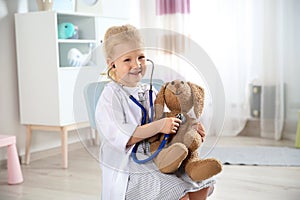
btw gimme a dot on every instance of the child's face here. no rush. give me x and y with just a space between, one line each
130 67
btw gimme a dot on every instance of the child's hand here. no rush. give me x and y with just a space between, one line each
169 125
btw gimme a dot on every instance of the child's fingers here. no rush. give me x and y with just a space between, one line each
175 124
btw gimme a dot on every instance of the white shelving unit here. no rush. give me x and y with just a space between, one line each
47 83
50 90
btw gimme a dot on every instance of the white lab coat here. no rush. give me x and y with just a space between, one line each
117 118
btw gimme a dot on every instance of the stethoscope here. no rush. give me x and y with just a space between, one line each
144 115
133 99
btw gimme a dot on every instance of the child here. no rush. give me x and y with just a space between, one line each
118 121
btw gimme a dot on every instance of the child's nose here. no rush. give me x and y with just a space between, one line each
136 64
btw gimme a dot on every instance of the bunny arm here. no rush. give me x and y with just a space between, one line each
187 135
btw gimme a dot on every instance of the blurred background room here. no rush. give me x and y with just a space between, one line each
252 110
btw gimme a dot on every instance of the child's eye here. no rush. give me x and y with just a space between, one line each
141 57
127 60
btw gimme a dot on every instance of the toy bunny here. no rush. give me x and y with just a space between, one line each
181 97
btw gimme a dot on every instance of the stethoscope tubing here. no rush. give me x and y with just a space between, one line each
132 98
144 111
144 118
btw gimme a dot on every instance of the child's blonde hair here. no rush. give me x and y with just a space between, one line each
120 34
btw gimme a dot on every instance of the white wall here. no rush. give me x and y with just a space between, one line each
9 108
9 103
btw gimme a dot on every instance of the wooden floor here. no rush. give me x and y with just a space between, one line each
44 178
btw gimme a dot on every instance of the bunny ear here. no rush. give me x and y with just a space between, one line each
160 102
198 98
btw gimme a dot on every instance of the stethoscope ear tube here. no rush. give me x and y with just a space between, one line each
152 70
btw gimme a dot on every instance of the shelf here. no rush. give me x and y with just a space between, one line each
77 68
85 24
76 14
77 41
40 52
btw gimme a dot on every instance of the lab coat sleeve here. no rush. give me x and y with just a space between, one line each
110 119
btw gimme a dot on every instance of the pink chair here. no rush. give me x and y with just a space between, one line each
13 165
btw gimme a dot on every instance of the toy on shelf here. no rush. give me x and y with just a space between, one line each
67 31
76 58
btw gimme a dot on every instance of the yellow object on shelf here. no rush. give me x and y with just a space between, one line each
297 143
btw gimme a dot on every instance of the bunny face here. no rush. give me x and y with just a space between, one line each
180 96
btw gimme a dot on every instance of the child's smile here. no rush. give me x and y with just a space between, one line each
130 67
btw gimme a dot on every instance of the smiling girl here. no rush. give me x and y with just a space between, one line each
118 122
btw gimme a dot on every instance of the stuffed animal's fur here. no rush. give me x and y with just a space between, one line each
181 97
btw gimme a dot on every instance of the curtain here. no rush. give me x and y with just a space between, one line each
168 20
177 57
252 43
164 7
173 15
